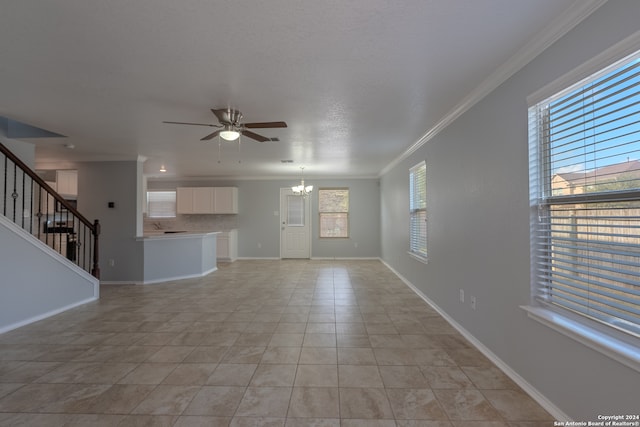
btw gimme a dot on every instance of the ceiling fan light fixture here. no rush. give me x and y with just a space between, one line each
229 134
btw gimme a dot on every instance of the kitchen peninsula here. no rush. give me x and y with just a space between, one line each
172 255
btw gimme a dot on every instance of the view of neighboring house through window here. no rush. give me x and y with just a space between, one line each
333 205
585 170
161 204
418 210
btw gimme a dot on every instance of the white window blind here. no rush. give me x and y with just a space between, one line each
585 176
161 204
418 210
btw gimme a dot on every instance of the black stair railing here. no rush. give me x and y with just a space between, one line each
31 203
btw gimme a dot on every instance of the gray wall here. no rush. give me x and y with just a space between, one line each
477 195
259 228
36 283
98 184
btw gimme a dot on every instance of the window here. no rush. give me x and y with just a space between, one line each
418 210
161 204
333 205
585 198
295 211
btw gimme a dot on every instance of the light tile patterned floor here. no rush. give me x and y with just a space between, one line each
258 343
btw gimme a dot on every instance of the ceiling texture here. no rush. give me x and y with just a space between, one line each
359 83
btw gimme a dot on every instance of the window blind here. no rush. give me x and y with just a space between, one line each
161 204
587 165
418 210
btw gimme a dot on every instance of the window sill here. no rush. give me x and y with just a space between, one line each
422 259
618 349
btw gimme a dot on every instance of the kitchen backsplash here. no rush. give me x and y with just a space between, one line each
192 223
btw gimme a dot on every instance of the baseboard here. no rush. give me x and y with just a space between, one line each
549 406
174 278
357 258
45 315
157 281
120 283
312 258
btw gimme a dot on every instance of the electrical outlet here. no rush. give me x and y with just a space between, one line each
473 302
461 295
355 244
112 262
259 245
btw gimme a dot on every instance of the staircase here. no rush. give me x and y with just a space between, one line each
48 250
29 202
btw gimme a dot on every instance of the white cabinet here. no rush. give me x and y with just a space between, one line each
207 200
227 245
194 200
67 183
226 200
184 200
203 200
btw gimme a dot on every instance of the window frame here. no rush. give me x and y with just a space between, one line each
321 212
418 213
596 334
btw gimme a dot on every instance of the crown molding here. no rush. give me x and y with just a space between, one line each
558 27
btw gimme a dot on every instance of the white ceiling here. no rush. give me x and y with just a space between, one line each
358 82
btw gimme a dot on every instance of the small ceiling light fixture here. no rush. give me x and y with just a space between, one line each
163 169
302 190
229 133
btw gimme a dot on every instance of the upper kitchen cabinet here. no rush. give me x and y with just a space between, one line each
67 183
194 200
207 200
226 200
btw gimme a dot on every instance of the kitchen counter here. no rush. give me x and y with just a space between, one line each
178 255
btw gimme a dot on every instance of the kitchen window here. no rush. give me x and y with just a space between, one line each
418 211
333 206
585 209
161 204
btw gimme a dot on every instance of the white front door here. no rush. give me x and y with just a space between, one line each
295 225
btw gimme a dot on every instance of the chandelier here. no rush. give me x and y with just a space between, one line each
301 189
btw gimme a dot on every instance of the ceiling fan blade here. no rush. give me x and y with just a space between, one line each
211 135
255 136
265 125
193 124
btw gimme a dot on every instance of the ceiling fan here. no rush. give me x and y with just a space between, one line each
231 126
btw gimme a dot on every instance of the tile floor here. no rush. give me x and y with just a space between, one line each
276 343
